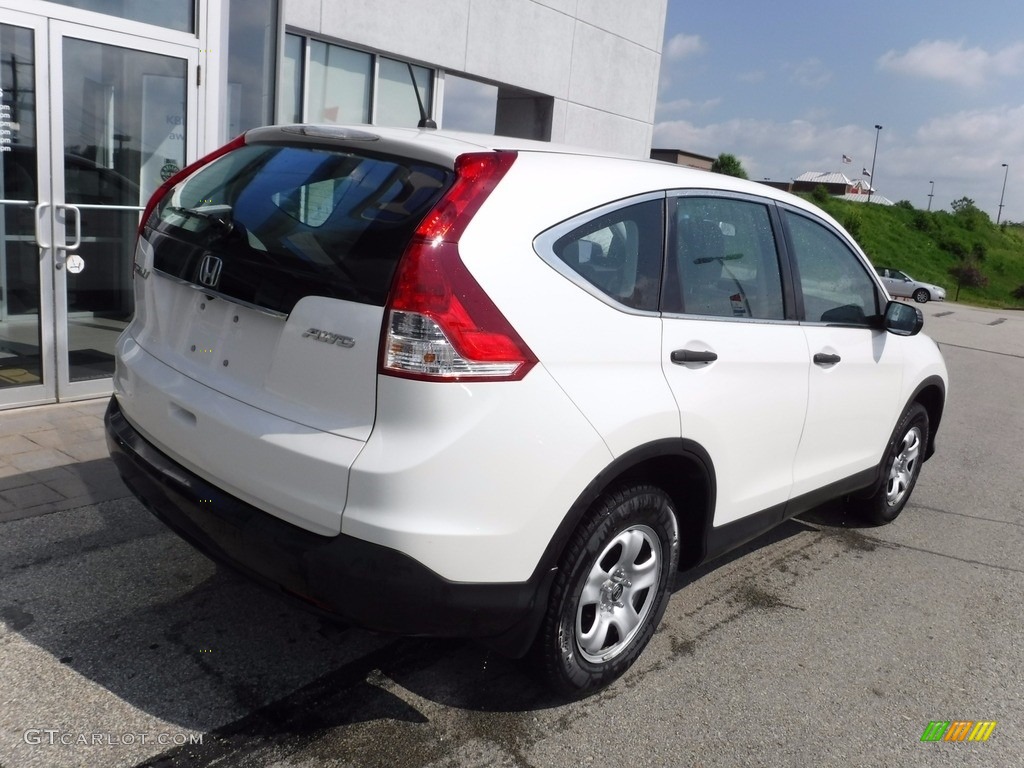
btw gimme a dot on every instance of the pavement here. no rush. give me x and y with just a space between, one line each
54 457
823 643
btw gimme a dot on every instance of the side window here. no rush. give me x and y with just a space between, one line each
619 253
835 285
722 260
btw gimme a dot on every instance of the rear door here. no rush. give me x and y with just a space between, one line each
265 275
736 361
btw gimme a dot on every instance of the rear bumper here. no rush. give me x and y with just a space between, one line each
366 584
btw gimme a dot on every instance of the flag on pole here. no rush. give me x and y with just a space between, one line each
847 159
865 173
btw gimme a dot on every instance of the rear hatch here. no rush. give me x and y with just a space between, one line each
266 273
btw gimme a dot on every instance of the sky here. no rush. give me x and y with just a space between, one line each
794 85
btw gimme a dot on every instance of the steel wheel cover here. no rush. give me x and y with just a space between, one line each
904 467
618 593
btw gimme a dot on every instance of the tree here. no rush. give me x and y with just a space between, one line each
967 274
969 214
729 165
962 205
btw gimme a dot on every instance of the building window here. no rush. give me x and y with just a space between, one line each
289 92
252 52
173 14
339 84
323 82
469 105
398 99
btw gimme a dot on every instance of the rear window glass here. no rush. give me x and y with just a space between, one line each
287 222
619 253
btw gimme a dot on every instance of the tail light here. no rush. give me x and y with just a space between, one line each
440 324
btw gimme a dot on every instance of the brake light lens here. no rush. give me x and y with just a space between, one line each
167 186
441 325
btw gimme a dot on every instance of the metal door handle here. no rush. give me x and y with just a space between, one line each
682 356
78 227
39 232
823 358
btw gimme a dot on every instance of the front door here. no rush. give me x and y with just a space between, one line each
92 122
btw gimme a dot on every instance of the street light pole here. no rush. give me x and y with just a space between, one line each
931 194
871 181
1002 194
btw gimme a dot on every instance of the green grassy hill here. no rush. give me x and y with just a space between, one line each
927 244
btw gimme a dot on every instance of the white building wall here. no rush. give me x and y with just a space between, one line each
597 59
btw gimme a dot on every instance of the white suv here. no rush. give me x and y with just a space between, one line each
471 386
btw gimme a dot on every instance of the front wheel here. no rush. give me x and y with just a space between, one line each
921 296
611 590
901 465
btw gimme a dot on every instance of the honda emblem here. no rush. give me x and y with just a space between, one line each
209 270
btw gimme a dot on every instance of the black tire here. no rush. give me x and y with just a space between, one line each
625 553
921 296
901 467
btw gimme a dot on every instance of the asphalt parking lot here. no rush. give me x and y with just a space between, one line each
825 643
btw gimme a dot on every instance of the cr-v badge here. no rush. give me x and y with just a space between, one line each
329 338
209 270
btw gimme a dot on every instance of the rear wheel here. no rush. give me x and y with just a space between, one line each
611 590
921 295
902 466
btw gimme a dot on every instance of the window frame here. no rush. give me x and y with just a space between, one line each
782 253
875 322
794 312
544 246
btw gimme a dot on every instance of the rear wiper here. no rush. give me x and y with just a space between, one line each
223 224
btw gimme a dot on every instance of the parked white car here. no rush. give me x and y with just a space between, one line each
460 385
904 286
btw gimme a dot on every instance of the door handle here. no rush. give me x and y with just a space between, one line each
683 356
39 232
823 358
73 246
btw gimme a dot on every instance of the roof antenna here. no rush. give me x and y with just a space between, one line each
425 122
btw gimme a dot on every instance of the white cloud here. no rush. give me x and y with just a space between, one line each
675 106
681 46
778 149
962 151
811 74
952 62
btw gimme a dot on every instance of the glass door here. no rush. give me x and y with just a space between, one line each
26 342
91 122
122 121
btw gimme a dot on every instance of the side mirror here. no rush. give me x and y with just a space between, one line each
903 319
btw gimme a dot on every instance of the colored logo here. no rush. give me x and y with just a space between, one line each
958 730
168 169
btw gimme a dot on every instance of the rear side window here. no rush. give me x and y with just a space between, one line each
288 222
619 253
835 285
723 261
